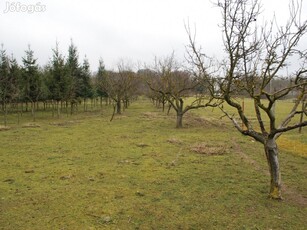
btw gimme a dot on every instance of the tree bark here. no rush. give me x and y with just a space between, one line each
271 152
302 116
118 107
5 114
84 104
179 120
58 109
33 111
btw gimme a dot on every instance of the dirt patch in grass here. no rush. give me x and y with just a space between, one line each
174 140
4 128
150 115
194 121
64 124
208 149
31 125
142 145
191 120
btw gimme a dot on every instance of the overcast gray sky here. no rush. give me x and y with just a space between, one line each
137 30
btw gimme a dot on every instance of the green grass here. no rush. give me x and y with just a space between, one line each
139 172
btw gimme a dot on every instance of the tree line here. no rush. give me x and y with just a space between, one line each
63 83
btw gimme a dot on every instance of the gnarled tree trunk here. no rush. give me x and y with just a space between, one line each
271 153
179 120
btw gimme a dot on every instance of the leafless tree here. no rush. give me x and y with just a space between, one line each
174 85
255 56
120 86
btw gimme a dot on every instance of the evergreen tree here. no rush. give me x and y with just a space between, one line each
4 77
5 84
15 78
84 87
31 79
57 77
73 68
100 80
9 74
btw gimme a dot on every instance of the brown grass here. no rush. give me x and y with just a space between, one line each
293 146
174 140
208 149
4 128
31 125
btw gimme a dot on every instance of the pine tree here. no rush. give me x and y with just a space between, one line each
100 81
14 79
73 68
85 88
31 80
4 82
9 76
57 77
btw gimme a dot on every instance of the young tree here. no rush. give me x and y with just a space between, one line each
31 80
255 56
84 89
57 80
73 75
8 82
119 85
174 85
15 79
100 81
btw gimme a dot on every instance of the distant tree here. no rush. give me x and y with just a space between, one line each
57 82
31 80
100 81
152 77
74 75
175 85
254 58
15 78
85 89
78 78
130 82
119 85
8 82
145 75
57 79
4 76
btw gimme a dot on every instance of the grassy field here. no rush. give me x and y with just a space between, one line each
139 172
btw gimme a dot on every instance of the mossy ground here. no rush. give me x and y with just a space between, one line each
139 172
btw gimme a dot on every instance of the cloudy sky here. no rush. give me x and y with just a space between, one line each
137 30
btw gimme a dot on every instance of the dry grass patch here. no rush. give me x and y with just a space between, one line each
208 149
150 115
174 140
4 128
63 124
31 125
293 146
193 121
142 145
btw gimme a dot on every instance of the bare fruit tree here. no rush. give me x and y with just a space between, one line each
175 85
256 55
120 86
